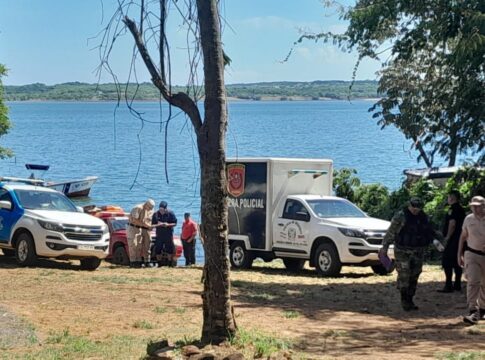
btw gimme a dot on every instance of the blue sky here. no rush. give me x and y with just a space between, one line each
51 41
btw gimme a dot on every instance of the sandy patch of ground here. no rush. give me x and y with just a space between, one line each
354 316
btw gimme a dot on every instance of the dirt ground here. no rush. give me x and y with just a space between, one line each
353 316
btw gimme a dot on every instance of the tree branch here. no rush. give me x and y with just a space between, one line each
180 100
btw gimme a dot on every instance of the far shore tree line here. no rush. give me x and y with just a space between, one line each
279 90
432 79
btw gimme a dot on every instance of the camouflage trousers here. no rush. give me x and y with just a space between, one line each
409 264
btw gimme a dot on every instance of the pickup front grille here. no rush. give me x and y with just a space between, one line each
374 241
374 237
83 233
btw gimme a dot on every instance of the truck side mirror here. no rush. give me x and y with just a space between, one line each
7 205
302 216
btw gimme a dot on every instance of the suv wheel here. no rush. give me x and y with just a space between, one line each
240 258
293 265
90 264
327 261
120 257
25 250
381 270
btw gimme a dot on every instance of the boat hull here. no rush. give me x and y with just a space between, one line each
74 188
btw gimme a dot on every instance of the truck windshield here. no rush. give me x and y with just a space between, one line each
334 208
44 200
119 224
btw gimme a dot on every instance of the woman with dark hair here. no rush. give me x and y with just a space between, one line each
452 231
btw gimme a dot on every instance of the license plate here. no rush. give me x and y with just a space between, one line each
85 247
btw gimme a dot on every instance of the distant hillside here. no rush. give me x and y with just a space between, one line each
76 91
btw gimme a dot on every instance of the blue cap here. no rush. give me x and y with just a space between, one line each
163 204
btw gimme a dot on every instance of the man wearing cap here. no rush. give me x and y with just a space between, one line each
164 220
189 232
138 233
452 231
471 255
411 233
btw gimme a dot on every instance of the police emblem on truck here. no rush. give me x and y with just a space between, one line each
235 179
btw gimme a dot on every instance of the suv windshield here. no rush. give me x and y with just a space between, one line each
334 208
44 200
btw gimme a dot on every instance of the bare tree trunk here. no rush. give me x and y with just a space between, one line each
218 322
422 152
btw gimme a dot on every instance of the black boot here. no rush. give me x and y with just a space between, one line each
447 289
406 305
411 302
457 285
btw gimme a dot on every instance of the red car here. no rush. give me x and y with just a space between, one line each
116 219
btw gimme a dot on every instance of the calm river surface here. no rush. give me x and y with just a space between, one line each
81 139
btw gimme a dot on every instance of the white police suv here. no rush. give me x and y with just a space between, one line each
40 222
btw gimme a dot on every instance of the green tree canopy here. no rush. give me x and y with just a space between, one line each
4 121
432 77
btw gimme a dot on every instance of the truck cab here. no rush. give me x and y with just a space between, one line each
291 215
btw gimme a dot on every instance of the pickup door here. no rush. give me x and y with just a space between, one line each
292 230
8 218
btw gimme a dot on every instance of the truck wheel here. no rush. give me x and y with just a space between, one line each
293 265
327 262
90 264
25 250
8 252
381 270
240 258
120 257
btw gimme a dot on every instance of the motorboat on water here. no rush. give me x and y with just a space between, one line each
71 188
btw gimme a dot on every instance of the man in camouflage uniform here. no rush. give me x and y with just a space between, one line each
411 233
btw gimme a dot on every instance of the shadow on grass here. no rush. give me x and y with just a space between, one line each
322 301
9 262
270 270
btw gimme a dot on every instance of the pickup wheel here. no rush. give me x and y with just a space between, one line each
240 258
327 261
8 252
25 250
294 265
381 270
120 257
90 264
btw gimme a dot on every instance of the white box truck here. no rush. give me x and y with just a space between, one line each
284 208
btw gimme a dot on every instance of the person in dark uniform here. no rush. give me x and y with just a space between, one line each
165 221
452 231
411 233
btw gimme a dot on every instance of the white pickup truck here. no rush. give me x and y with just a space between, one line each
40 222
283 208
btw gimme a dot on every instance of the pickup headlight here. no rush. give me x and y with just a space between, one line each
105 229
352 232
51 226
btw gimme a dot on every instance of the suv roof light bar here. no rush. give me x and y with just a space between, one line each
21 180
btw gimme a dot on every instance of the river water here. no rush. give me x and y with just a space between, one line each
79 139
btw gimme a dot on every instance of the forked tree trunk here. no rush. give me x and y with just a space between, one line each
218 322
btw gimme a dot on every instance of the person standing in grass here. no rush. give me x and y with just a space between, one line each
471 255
138 233
164 220
452 231
411 233
188 237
